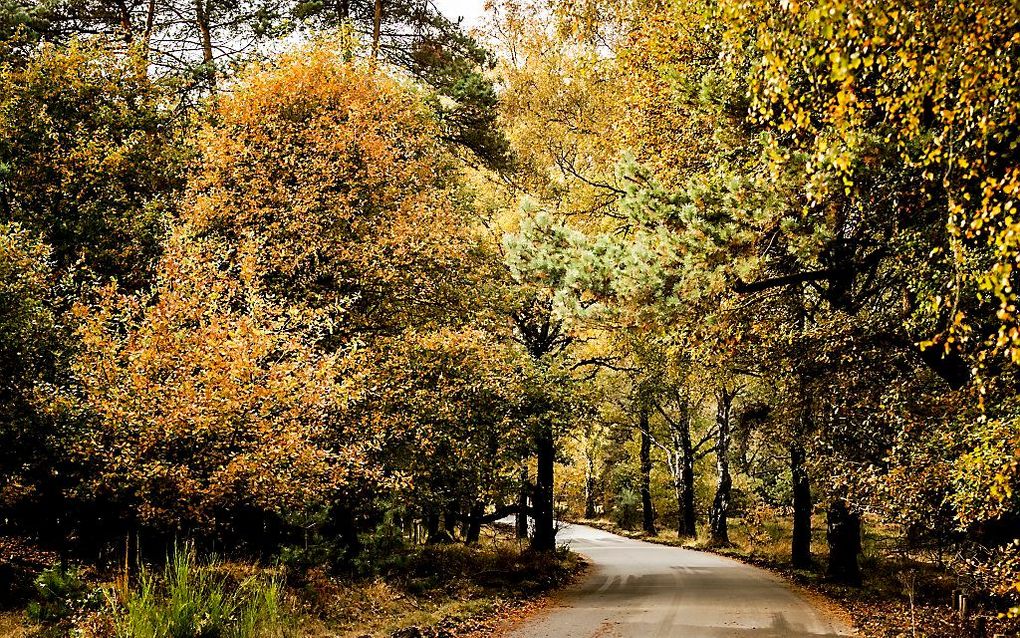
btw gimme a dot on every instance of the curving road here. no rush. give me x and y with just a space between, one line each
642 590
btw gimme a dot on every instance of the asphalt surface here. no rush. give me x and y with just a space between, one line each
643 590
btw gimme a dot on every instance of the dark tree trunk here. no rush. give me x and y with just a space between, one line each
718 516
521 518
124 17
689 517
434 533
648 513
843 532
687 525
542 335
801 545
474 526
431 528
342 523
589 490
150 19
544 539
678 494
450 519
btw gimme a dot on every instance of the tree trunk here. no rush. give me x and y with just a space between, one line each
521 519
205 34
150 20
678 493
648 513
843 532
376 29
717 517
687 526
544 539
341 523
124 16
431 528
434 532
450 519
589 489
690 514
681 469
541 336
801 545
474 527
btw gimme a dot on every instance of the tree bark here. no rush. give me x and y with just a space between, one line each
544 539
205 34
681 468
718 516
687 525
150 20
473 530
125 22
541 335
589 489
843 533
801 544
648 513
690 514
434 532
376 29
678 494
450 519
521 518
341 523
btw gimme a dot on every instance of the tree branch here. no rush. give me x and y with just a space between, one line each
743 287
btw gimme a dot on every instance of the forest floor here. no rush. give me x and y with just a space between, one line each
881 607
439 591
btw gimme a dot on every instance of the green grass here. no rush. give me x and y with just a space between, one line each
445 589
195 600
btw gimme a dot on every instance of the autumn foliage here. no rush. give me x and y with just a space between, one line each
339 173
706 266
205 396
322 214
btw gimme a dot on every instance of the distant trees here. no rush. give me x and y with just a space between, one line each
803 211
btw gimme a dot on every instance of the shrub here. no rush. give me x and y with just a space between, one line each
194 600
627 509
384 550
61 592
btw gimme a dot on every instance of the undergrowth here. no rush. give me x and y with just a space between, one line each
193 599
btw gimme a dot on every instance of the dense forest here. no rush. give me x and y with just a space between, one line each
311 284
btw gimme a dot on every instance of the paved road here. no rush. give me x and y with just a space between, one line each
642 590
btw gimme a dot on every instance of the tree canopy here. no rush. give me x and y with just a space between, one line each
294 278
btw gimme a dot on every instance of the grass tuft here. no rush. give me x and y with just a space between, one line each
198 600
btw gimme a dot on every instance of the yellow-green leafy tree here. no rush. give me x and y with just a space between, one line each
90 156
